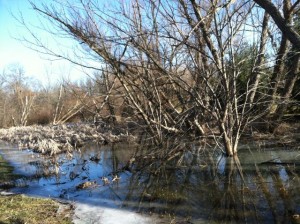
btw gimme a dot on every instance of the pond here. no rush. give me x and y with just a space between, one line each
261 186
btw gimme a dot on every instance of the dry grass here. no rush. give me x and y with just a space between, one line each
54 139
20 209
284 129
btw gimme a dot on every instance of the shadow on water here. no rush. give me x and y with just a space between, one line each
258 187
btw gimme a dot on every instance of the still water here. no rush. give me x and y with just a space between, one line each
261 186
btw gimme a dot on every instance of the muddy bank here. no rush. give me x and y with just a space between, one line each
54 139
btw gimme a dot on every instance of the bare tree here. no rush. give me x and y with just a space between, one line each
66 106
20 97
176 61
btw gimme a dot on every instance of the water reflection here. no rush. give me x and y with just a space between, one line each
192 187
225 189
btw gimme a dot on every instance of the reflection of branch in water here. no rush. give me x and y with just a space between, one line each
272 204
114 159
115 193
189 182
133 186
284 194
229 198
292 172
183 187
233 203
239 167
160 186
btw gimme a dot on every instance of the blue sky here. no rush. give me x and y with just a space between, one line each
13 51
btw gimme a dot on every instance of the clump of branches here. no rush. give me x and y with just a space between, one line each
181 65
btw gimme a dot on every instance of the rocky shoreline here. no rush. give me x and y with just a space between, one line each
55 139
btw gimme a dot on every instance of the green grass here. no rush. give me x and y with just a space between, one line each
20 209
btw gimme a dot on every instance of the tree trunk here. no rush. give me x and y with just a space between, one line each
277 74
228 146
256 76
291 78
281 22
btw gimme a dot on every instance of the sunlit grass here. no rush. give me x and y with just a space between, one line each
22 209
